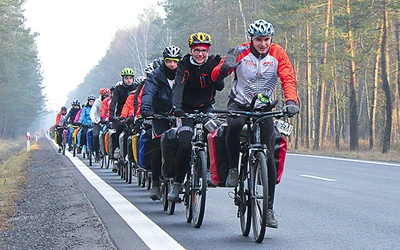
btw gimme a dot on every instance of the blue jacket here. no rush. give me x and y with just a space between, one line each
84 118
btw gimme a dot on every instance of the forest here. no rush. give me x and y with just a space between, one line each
346 55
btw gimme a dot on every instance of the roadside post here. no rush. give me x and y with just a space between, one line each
28 141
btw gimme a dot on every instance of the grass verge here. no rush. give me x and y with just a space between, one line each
13 174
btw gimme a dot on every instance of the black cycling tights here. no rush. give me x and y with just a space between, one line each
183 155
156 162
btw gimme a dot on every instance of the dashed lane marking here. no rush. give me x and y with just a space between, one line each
317 177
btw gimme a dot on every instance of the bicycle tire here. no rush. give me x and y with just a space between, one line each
171 205
244 206
148 181
145 174
187 198
90 156
259 193
63 142
164 193
199 188
130 172
139 178
74 150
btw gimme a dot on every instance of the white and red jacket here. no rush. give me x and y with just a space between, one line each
256 75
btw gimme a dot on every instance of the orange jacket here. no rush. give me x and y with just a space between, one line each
105 109
128 109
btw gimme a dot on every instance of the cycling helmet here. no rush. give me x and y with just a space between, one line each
140 79
75 103
158 62
104 91
127 72
63 108
199 38
260 28
172 52
91 97
149 68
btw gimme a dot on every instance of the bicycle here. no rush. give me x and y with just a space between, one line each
166 180
195 185
251 193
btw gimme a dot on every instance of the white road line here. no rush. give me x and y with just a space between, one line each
151 234
350 160
316 177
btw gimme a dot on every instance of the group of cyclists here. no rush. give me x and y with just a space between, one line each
179 85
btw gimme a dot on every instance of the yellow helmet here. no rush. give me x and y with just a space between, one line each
199 38
127 72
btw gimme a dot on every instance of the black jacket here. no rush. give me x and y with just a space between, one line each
193 86
120 93
157 93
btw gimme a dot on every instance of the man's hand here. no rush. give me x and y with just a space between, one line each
230 60
291 108
179 113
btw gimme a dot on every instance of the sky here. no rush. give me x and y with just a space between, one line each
73 37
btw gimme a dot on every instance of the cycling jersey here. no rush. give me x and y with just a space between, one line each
256 75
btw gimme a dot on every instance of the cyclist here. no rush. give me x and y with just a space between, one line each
105 107
84 120
157 98
120 94
96 119
138 98
69 119
128 109
257 65
60 118
193 90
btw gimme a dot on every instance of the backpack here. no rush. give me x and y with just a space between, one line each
218 155
169 146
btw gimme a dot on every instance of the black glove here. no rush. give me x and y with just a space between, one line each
146 113
131 119
179 112
230 61
291 108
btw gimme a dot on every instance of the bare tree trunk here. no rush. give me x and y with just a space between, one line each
373 107
385 82
309 105
320 117
243 18
353 120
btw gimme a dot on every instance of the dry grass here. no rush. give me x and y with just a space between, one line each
12 180
363 153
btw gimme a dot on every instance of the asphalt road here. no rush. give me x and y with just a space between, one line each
321 203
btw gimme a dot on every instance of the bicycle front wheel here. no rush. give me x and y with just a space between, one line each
259 195
244 206
199 188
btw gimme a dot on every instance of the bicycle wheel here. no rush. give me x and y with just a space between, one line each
139 178
243 196
74 150
130 172
171 205
90 156
259 194
187 199
64 141
199 188
148 181
164 193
